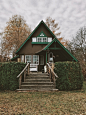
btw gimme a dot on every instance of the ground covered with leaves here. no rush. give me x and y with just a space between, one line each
43 103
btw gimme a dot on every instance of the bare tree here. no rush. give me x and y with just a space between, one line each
53 26
78 48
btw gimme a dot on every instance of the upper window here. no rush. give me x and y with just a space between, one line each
34 39
45 39
49 39
41 38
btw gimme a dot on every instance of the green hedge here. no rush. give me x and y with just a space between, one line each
70 76
8 75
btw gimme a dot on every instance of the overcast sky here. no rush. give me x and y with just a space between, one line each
69 14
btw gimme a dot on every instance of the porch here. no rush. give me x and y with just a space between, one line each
37 62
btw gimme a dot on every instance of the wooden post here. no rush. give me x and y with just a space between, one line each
46 57
47 68
37 68
24 75
20 81
28 69
49 71
50 75
54 82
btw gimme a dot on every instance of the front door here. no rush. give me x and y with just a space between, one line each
41 60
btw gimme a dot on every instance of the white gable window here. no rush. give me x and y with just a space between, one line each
44 39
39 39
34 39
49 39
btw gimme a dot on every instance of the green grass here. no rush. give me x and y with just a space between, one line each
43 103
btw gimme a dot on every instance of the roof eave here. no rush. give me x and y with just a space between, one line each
62 47
15 57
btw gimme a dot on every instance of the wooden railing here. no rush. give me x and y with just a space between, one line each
26 70
51 73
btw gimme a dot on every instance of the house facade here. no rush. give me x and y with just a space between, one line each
41 47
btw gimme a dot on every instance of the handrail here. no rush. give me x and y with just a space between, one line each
52 70
23 70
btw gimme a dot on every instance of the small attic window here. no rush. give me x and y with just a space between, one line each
49 39
45 39
34 39
39 39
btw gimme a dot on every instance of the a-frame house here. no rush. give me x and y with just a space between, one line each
41 47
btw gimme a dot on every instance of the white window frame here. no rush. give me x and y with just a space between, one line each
25 58
45 39
41 39
37 62
49 39
34 39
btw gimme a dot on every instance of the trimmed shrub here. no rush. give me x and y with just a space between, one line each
8 75
70 75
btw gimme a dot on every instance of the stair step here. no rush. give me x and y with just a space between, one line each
37 80
32 90
37 83
36 77
37 86
38 74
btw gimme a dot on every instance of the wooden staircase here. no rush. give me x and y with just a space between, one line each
37 82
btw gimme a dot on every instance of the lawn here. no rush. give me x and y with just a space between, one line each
43 103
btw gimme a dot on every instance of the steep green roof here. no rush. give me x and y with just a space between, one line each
32 34
56 40
15 57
